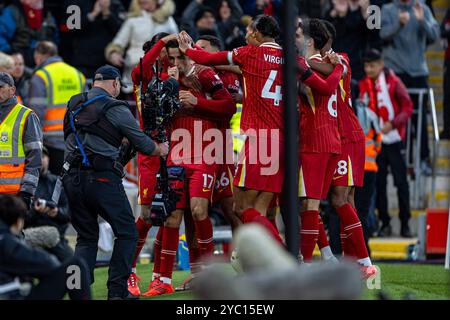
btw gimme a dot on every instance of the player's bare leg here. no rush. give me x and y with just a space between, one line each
272 215
168 253
247 205
227 205
351 224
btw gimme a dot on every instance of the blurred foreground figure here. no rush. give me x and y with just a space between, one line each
269 272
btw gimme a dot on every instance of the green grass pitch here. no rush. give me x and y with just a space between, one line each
397 280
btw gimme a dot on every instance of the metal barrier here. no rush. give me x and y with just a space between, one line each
419 185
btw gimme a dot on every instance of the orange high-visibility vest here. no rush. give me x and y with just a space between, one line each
12 154
373 148
62 82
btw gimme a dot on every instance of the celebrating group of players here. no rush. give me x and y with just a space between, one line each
331 158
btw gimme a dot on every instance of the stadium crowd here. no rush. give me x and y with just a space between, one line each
353 103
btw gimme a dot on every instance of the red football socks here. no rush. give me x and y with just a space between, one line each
204 233
157 252
168 251
309 233
353 230
252 215
142 229
322 240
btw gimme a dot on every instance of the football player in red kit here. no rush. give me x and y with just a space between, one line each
349 172
148 166
204 101
261 62
320 143
222 193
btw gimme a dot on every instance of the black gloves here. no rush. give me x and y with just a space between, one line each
27 198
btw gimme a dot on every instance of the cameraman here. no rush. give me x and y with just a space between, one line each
46 213
95 126
20 264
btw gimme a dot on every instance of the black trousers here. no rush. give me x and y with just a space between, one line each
101 193
56 160
363 201
392 155
55 286
447 98
419 82
62 250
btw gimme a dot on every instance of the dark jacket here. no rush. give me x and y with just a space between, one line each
89 43
25 39
445 33
44 191
17 259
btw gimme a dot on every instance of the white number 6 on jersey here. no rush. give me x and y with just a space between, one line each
333 109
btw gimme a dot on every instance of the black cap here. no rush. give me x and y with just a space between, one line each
372 55
108 72
6 78
201 12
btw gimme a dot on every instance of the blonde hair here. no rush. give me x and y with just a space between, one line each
6 63
135 9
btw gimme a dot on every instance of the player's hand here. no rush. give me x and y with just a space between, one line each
116 59
387 127
173 72
187 98
364 4
340 7
170 37
184 41
146 210
333 58
404 17
418 11
162 149
104 6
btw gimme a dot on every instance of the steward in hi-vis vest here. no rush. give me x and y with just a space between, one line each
20 144
53 83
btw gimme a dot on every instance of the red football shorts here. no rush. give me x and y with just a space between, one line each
199 183
316 173
261 168
147 172
224 178
350 167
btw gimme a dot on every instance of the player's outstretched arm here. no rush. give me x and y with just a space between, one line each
312 80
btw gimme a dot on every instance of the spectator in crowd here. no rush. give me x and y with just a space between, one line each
229 24
445 33
44 215
53 83
386 96
6 63
349 17
407 27
33 23
7 27
22 75
20 263
200 20
139 27
100 22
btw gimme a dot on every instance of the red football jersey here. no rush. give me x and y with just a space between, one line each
206 85
232 84
262 85
349 126
318 121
